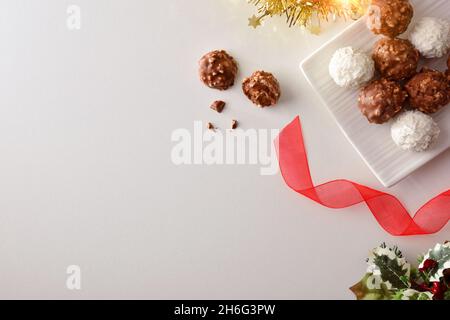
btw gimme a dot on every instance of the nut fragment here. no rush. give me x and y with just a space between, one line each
218 106
234 124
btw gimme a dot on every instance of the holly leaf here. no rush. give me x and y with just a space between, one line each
392 271
411 294
364 290
447 295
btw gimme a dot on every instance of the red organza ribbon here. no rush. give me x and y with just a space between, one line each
386 208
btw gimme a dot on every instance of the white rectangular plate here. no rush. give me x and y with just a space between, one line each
389 163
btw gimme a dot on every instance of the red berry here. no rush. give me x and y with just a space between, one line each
428 265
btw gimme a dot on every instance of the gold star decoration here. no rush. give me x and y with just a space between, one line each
254 22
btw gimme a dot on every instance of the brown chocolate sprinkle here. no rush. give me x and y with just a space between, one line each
234 124
218 106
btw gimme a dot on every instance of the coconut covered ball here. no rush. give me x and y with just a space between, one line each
431 36
350 68
415 131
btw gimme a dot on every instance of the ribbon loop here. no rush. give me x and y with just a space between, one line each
386 208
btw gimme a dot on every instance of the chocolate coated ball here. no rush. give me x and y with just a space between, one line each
382 100
218 70
395 59
428 91
389 17
262 88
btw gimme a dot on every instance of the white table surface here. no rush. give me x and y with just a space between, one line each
86 176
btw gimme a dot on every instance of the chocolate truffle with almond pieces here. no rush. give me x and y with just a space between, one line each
429 91
217 70
395 59
389 17
262 88
381 100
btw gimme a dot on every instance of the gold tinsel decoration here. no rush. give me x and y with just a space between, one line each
308 13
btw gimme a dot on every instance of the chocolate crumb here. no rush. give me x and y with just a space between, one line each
218 106
210 126
234 124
